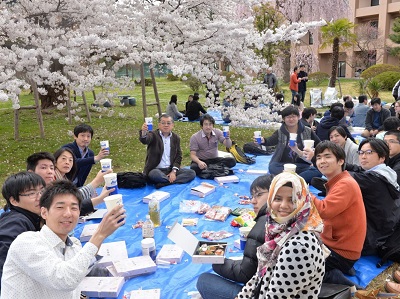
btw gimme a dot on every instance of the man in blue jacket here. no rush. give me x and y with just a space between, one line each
85 157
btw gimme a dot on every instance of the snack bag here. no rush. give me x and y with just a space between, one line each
246 219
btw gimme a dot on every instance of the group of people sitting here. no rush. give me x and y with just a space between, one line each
192 111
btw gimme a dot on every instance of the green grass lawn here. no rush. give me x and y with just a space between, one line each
127 152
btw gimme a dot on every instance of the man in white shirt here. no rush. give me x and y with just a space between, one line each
48 263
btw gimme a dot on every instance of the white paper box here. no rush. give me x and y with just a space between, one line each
88 231
227 179
135 266
202 190
160 195
99 214
102 286
170 253
146 294
113 251
189 243
257 171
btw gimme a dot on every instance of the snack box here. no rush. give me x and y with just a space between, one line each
202 190
135 266
98 214
191 245
101 287
160 195
87 231
146 294
257 171
113 251
227 179
170 253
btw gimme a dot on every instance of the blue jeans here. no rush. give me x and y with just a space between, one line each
293 94
212 286
306 171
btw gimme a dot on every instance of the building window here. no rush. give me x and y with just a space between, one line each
310 38
374 2
341 69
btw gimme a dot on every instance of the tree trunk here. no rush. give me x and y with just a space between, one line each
335 61
286 62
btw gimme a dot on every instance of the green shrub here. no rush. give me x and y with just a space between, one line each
373 88
318 77
194 84
171 77
148 82
377 69
387 79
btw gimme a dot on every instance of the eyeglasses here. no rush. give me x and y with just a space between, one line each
391 141
166 123
291 116
367 152
32 194
259 194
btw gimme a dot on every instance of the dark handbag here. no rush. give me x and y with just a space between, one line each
334 291
131 180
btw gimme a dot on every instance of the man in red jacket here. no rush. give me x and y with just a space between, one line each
294 82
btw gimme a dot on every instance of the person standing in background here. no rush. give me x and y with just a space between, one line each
294 82
303 84
270 79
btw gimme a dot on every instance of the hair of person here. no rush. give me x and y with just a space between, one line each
377 145
337 104
261 182
19 183
206 117
288 184
391 123
393 133
376 101
337 112
190 96
295 68
71 174
196 97
174 99
302 65
279 96
307 112
83 128
290 110
362 98
340 131
347 98
59 187
33 160
296 99
165 116
349 104
334 148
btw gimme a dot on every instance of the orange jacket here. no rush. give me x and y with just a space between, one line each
294 82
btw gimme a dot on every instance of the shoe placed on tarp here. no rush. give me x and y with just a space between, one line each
392 287
375 294
396 276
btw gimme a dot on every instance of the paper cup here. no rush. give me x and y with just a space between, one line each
225 130
111 182
105 164
308 144
347 118
149 123
244 232
105 144
292 140
112 201
289 167
257 136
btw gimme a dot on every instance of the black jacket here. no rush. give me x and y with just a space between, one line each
327 123
382 206
394 163
242 270
193 110
84 164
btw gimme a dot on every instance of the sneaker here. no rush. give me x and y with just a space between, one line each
396 276
392 287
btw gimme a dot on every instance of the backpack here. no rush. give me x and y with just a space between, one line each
131 180
257 149
239 155
390 249
215 170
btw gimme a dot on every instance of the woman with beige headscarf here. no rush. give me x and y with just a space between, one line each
291 261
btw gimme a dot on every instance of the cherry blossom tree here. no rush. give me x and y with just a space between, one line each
78 45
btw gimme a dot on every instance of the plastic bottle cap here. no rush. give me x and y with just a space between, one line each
148 243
